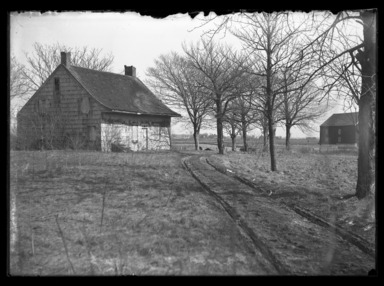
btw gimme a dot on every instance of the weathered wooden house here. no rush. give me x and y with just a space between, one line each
339 130
84 108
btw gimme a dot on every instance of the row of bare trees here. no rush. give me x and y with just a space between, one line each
289 67
213 81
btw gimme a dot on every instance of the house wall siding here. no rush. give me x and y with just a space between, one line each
75 122
338 134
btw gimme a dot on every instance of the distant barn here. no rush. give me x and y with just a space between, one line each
90 109
339 130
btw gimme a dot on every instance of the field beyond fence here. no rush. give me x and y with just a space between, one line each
253 144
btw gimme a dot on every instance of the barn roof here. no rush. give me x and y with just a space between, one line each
342 119
121 93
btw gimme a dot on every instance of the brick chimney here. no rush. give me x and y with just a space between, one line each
66 59
131 71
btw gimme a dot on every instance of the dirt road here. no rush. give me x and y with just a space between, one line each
284 241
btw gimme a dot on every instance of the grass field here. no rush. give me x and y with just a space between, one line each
92 213
88 213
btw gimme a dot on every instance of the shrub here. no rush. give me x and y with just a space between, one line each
118 147
75 141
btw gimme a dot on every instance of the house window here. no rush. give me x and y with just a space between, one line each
84 105
41 106
56 92
339 131
145 138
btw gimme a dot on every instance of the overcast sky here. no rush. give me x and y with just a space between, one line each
131 38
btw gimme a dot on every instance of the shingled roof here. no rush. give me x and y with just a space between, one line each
120 92
342 119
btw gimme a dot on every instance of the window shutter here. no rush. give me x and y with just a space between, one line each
85 105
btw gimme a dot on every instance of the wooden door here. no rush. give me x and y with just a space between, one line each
145 138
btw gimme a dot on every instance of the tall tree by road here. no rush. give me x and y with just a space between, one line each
270 41
360 48
367 104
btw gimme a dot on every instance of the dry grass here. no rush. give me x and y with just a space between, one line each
91 213
313 181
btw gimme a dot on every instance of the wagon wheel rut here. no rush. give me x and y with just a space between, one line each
358 241
284 241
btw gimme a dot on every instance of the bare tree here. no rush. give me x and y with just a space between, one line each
361 50
222 70
300 108
180 84
45 59
18 90
231 124
249 117
263 123
241 116
270 40
18 85
367 105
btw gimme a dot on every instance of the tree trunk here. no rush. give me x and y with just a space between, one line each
196 139
233 137
233 143
367 59
220 135
270 102
288 137
244 131
265 134
272 144
219 124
